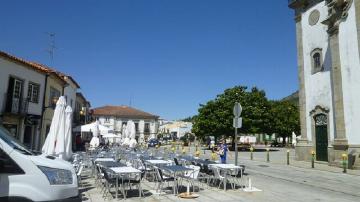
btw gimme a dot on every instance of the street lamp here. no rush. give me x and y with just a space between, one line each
83 113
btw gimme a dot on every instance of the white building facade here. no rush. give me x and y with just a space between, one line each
70 90
328 33
116 117
176 129
22 89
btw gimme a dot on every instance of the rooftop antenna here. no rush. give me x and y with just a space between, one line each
52 46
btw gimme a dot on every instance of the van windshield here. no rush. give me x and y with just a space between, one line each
12 142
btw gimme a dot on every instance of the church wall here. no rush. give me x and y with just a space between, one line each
318 86
350 64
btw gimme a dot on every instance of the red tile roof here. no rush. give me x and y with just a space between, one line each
123 112
39 67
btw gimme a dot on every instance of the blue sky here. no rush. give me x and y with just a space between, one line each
167 56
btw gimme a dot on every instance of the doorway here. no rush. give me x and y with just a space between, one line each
321 137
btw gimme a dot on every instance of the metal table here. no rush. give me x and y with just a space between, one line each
175 169
158 162
124 171
110 164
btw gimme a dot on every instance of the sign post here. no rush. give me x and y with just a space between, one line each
237 123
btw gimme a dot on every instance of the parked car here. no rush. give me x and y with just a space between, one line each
153 143
276 144
25 176
241 146
244 146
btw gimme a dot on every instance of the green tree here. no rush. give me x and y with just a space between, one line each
216 116
189 119
284 119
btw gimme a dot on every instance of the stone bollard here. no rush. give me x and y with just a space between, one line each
267 155
288 157
251 153
312 159
344 162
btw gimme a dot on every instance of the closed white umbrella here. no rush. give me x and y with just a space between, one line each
131 133
95 142
54 145
128 133
123 131
141 129
68 133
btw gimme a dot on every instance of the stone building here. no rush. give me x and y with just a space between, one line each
328 41
116 117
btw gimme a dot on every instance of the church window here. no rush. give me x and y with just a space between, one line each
316 61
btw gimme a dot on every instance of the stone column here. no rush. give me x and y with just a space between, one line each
337 13
303 148
340 142
338 98
357 17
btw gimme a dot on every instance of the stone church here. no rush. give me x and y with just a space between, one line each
328 42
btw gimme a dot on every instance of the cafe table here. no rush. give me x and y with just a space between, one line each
226 168
158 162
104 159
122 171
110 164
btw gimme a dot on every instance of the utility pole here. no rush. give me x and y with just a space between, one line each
52 47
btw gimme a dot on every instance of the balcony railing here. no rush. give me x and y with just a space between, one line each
297 3
15 105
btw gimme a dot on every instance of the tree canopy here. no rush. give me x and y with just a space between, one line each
259 115
285 118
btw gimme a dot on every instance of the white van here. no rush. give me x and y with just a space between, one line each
25 176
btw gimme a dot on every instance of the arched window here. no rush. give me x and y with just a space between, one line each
316 61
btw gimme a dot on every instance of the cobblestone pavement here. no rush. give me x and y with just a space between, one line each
278 182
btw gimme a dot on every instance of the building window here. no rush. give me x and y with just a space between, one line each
316 61
33 92
54 94
147 128
137 127
107 120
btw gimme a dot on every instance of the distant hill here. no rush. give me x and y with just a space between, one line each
294 98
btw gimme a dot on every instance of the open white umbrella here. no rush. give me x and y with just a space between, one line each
111 135
68 133
90 127
54 143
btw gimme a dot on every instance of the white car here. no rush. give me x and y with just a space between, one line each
25 176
